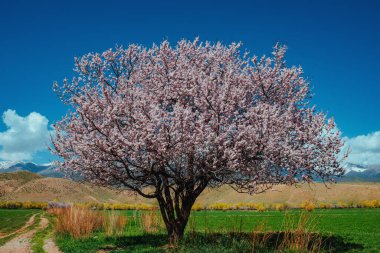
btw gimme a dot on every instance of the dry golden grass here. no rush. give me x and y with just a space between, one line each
114 224
81 222
258 238
297 235
151 222
300 238
78 222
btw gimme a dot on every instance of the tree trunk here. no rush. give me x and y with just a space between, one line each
175 222
175 206
176 234
175 215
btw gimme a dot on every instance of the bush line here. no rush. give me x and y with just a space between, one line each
261 207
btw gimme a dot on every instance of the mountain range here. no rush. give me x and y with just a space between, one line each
46 170
354 172
361 173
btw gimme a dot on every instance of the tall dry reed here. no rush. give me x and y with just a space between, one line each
259 237
151 222
114 224
299 235
78 222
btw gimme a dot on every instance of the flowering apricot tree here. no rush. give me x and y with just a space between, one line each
167 122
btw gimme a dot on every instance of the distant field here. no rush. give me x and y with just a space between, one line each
345 230
11 220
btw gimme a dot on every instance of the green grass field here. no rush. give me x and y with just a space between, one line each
343 230
11 220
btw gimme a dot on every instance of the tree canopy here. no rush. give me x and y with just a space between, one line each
169 121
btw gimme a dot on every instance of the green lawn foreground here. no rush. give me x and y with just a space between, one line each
349 230
13 219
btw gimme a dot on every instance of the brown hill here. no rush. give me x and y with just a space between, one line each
294 195
26 186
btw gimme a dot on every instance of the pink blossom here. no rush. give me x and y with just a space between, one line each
184 117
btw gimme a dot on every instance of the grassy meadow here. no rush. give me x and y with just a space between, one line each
15 221
296 230
333 230
342 218
11 220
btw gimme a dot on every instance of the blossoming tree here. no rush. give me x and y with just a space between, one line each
167 122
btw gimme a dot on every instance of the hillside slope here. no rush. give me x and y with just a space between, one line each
294 195
26 186
14 187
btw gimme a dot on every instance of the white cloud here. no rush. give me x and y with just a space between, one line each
365 149
24 137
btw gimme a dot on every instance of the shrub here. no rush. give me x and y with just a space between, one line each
352 204
13 205
240 206
260 207
53 205
281 206
220 206
341 204
197 207
371 203
323 205
308 206
248 206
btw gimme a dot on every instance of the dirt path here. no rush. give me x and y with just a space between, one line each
22 243
51 247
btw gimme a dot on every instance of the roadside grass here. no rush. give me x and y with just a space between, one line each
40 236
340 230
11 220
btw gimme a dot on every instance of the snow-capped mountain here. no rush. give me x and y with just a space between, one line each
47 170
354 167
7 164
361 173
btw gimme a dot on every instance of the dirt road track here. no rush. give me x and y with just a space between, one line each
22 243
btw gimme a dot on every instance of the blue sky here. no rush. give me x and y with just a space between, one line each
336 42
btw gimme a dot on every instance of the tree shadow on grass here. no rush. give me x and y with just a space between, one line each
139 242
272 241
230 242
339 244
